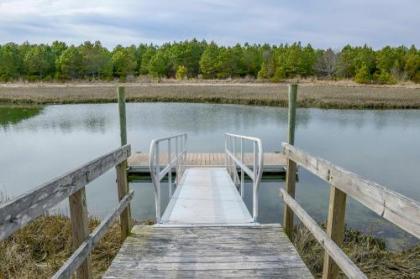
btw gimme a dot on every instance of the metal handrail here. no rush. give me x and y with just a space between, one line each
232 161
174 160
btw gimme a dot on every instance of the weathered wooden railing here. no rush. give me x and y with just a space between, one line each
18 212
396 208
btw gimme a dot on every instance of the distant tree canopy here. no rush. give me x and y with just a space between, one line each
199 59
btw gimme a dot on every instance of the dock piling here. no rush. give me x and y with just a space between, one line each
291 165
121 168
121 111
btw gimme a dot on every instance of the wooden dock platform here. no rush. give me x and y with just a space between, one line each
274 163
203 252
207 231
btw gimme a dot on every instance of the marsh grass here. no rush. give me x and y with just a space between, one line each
40 248
367 252
310 95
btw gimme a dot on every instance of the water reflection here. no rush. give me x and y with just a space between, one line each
11 115
383 146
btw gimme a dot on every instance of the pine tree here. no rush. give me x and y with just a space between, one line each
362 75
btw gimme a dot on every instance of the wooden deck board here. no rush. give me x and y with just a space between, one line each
202 252
273 162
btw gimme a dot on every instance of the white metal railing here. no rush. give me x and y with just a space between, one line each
232 161
176 155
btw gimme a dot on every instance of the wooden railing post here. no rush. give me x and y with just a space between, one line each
291 165
125 217
80 228
335 228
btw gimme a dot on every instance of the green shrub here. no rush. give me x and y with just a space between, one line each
416 77
279 74
362 75
385 78
181 72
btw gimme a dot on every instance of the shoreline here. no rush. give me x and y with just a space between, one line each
324 95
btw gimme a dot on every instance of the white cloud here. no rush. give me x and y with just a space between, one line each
324 23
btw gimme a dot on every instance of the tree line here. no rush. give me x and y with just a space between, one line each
200 59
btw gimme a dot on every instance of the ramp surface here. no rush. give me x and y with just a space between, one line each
206 196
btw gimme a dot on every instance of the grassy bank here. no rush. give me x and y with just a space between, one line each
38 250
317 95
367 252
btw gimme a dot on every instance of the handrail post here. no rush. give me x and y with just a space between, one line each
170 170
242 171
157 172
226 155
80 228
335 229
121 168
184 154
177 162
291 165
254 185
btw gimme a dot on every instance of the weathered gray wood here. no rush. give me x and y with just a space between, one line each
396 208
125 217
341 259
290 189
335 228
291 166
80 228
17 212
292 113
197 252
79 256
283 273
122 116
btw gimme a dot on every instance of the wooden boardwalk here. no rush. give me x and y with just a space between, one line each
207 231
203 252
274 163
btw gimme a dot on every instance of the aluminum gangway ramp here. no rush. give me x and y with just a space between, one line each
206 196
206 229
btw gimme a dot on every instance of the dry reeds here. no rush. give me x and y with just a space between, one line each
310 95
40 248
367 252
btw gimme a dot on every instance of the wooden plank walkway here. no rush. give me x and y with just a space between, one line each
207 231
274 163
206 196
203 252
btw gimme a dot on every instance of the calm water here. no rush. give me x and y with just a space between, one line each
383 146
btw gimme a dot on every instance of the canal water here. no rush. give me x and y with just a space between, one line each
38 144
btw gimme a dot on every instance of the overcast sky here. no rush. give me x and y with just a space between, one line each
323 23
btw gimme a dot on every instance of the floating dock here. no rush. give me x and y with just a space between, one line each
274 162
